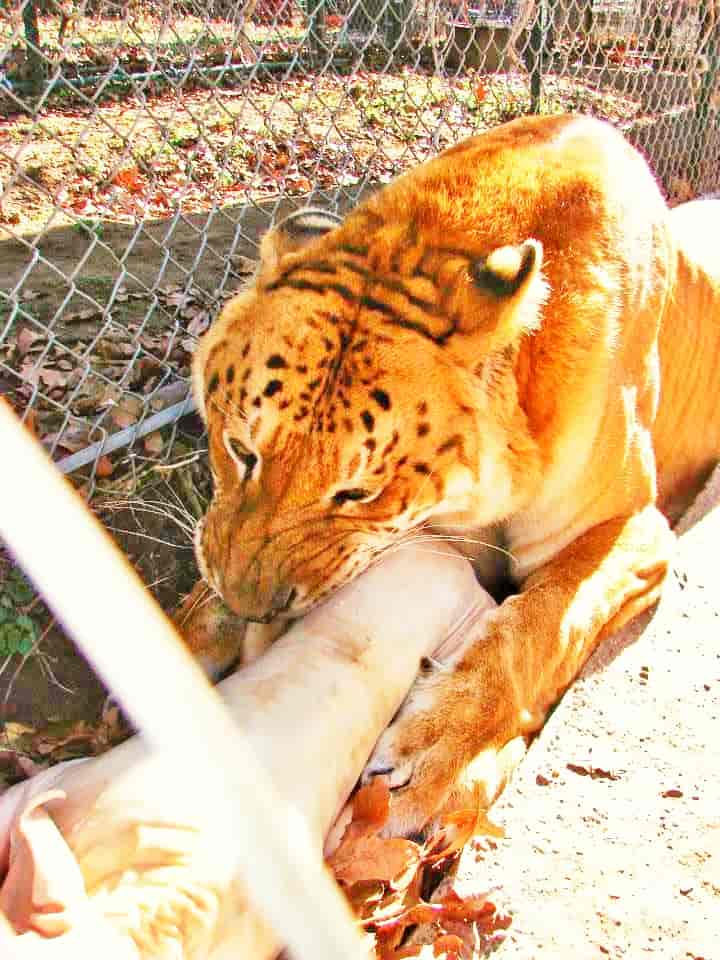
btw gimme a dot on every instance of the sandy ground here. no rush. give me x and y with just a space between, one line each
612 822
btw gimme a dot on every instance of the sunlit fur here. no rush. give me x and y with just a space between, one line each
511 335
449 401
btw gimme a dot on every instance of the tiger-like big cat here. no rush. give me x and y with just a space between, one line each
516 335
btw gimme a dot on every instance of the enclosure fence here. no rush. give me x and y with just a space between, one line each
145 147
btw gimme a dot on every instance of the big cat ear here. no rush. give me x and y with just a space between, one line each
507 292
506 270
292 234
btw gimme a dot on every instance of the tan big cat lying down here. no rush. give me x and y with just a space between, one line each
515 341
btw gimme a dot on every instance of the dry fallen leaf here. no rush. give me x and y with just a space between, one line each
392 861
462 918
26 339
74 437
371 803
81 739
153 443
79 316
457 828
450 946
126 411
383 878
130 179
104 467
49 377
169 394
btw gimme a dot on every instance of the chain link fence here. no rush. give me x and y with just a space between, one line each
144 147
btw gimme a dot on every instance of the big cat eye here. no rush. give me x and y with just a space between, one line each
356 493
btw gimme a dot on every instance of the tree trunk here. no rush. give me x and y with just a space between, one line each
36 66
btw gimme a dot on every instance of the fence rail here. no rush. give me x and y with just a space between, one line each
144 148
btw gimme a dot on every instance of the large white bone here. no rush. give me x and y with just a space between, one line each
156 865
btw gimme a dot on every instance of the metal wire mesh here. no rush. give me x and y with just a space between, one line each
144 148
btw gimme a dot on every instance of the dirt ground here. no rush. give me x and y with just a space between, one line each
63 249
52 706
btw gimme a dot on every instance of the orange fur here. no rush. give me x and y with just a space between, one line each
512 335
